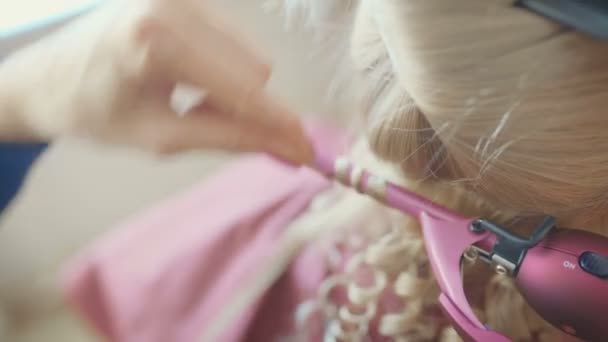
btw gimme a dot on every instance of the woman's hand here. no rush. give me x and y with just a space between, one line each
110 76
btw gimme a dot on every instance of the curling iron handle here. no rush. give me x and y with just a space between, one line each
565 279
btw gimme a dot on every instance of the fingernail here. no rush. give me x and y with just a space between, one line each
276 114
300 150
308 152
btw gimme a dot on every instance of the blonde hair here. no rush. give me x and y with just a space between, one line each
480 106
517 104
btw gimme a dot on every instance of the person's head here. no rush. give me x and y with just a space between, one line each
484 107
483 94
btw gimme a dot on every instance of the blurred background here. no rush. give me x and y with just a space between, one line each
78 191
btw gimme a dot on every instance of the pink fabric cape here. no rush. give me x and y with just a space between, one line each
162 275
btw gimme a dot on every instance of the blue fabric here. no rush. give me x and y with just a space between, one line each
15 162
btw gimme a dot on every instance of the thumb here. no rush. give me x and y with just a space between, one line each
167 133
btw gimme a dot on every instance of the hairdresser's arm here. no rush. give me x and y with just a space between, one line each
108 76
13 125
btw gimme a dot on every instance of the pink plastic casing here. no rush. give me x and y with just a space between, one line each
446 241
554 284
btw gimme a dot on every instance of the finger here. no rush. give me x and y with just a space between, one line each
166 133
223 68
262 111
249 50
213 67
203 56
191 17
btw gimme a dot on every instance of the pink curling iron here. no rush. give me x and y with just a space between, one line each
562 273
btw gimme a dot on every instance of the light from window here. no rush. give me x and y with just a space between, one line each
15 14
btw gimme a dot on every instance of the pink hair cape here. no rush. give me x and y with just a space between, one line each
165 273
